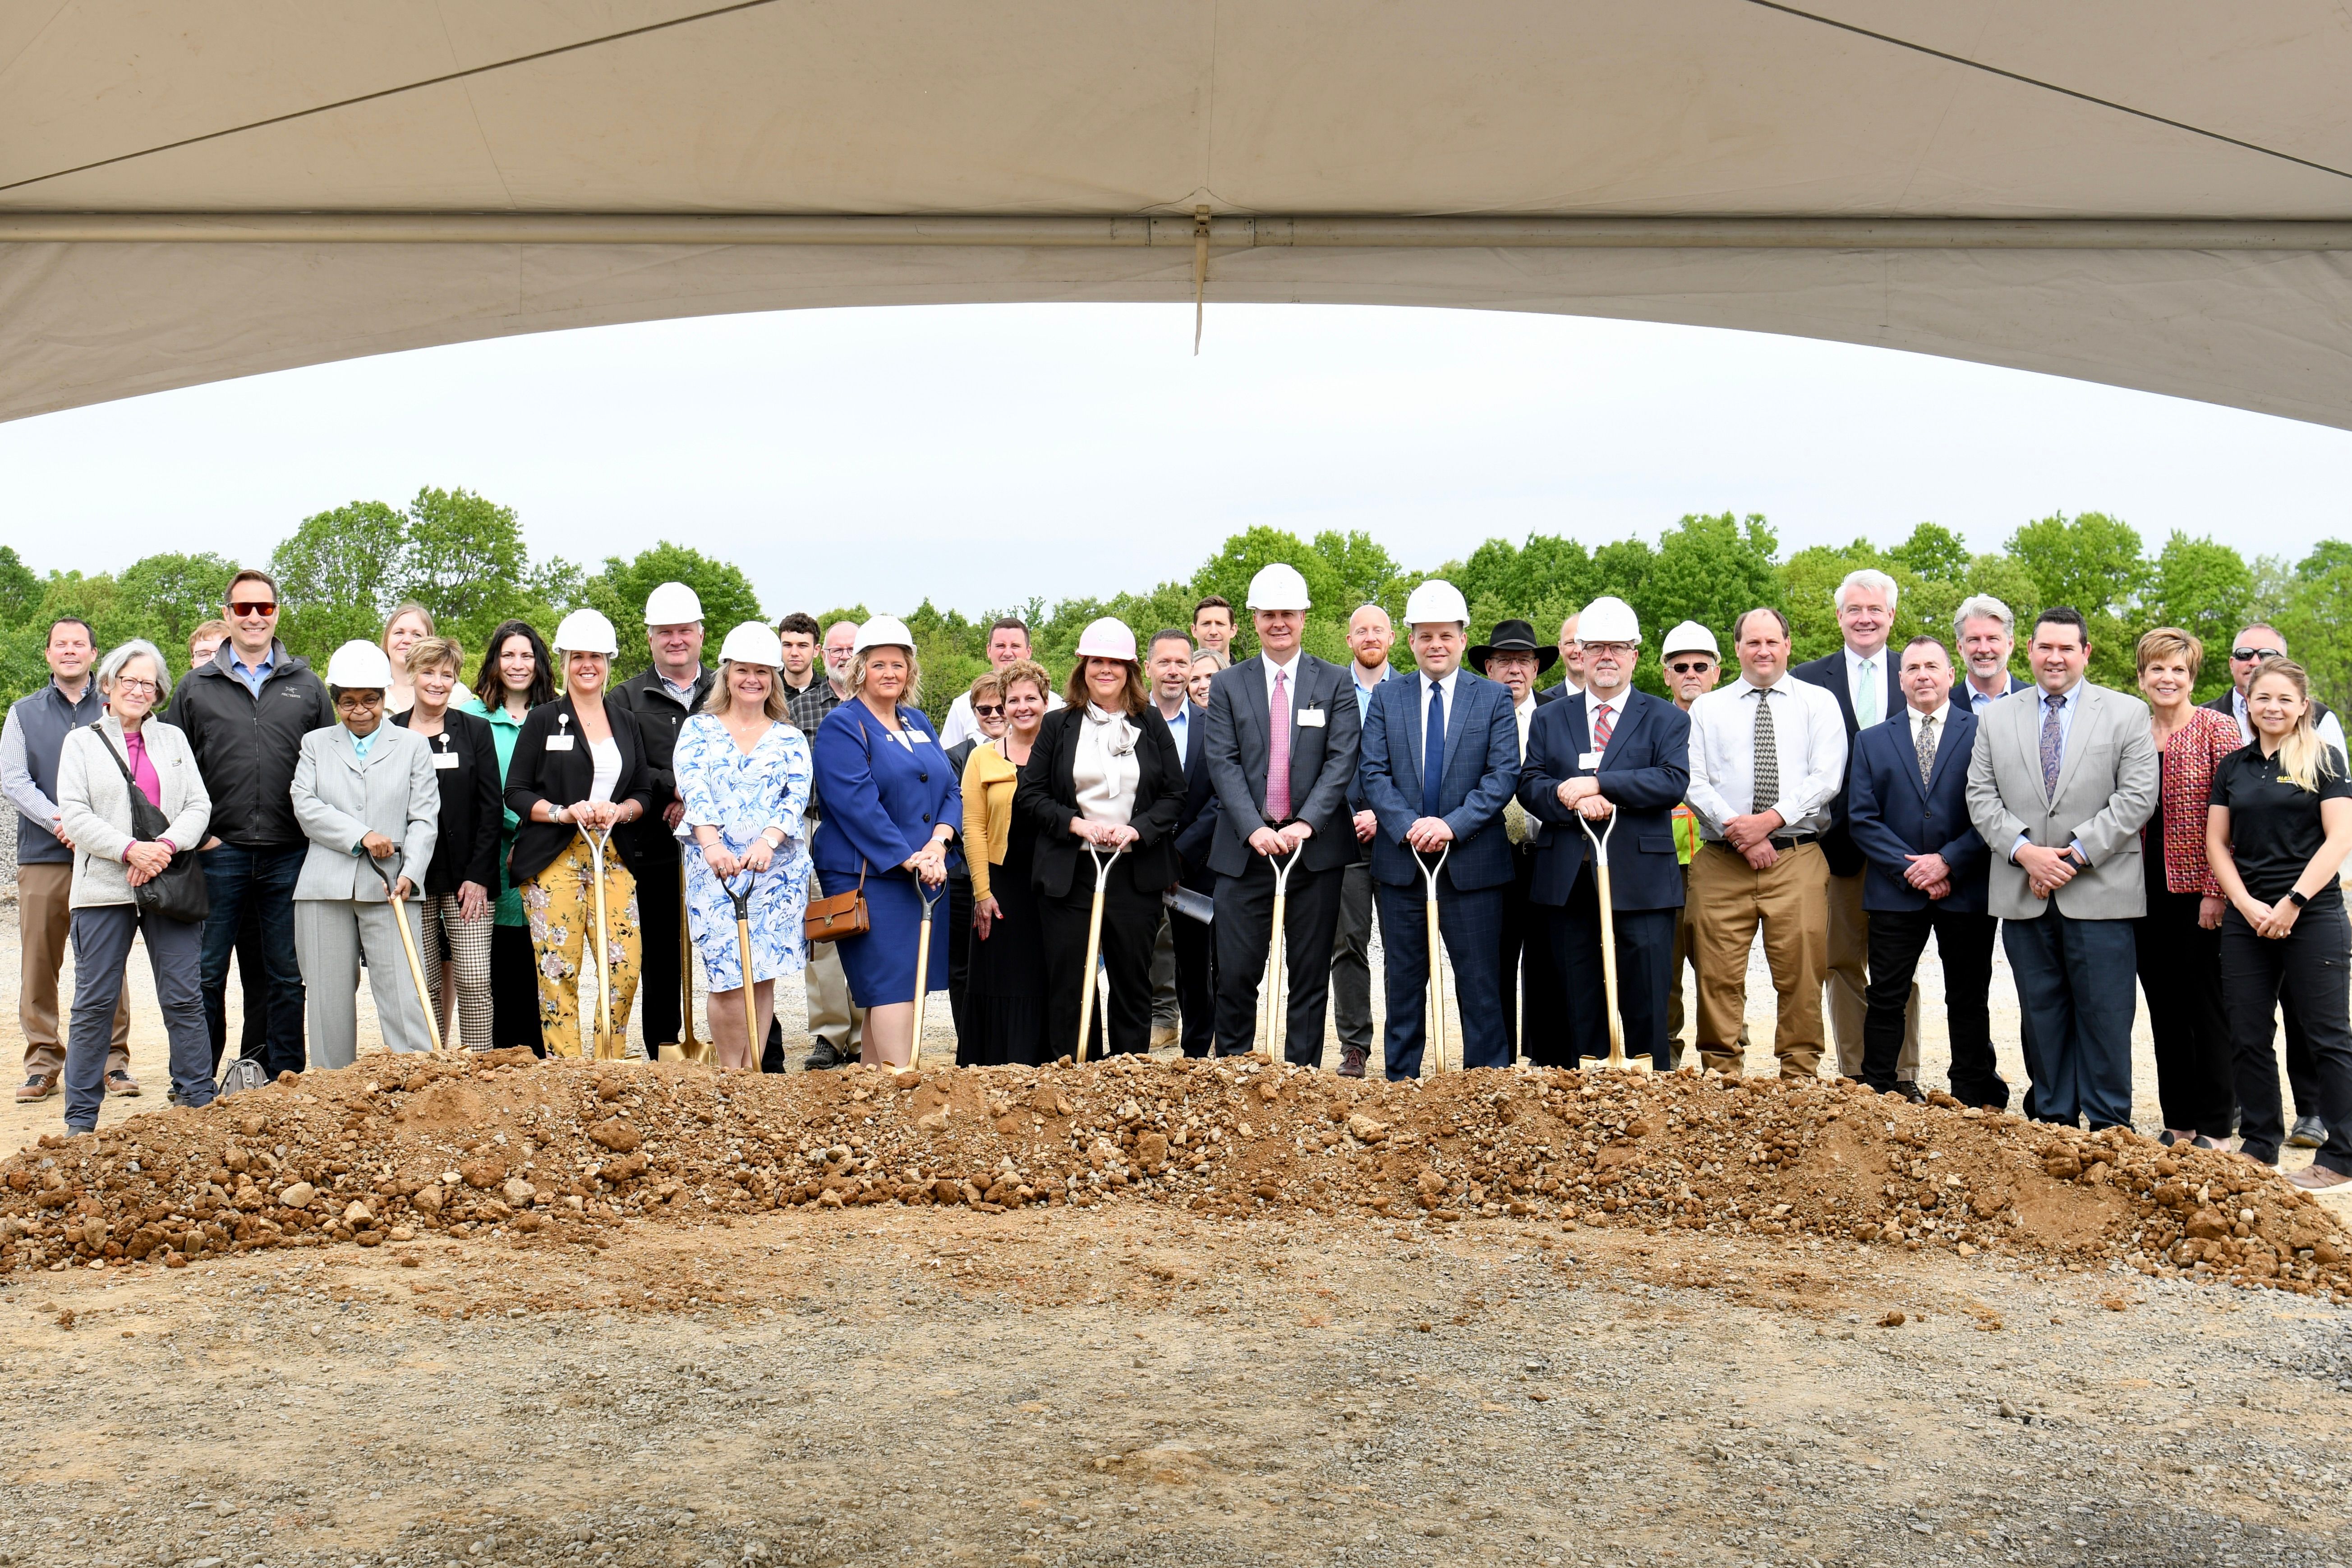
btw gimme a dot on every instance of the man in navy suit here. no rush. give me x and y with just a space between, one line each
1608 751
1907 806
1440 755
1279 742
1862 677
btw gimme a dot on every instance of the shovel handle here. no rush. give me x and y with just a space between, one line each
408 950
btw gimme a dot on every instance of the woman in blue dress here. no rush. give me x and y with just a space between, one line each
743 773
889 804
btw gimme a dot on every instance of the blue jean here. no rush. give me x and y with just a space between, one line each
2076 988
233 876
101 947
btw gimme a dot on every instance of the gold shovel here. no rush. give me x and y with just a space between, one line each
408 946
1617 1058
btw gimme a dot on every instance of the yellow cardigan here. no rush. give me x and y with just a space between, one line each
988 783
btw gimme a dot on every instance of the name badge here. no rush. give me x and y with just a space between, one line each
1312 718
559 742
1588 759
916 737
446 759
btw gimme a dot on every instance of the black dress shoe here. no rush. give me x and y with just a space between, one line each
1910 1091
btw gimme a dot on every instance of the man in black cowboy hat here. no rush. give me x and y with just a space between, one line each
1512 656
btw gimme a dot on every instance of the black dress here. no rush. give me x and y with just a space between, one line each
1005 989
2180 970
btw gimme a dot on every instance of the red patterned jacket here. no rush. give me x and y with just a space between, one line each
2195 750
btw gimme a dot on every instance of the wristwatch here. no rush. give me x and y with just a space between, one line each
2297 898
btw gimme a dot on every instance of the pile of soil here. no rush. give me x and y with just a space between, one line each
547 1152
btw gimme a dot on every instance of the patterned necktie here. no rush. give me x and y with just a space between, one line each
1767 747
1278 766
1926 748
1515 815
1866 707
1604 724
1433 753
2053 745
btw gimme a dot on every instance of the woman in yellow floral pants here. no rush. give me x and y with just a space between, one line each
561 905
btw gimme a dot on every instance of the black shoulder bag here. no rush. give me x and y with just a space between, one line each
178 892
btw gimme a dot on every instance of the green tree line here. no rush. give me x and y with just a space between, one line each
462 556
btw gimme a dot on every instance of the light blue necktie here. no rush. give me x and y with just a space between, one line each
1865 705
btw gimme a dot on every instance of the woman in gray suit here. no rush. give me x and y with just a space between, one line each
97 770
363 790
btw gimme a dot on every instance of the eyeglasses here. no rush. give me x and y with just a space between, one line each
1614 649
1692 666
2247 655
253 607
133 683
987 710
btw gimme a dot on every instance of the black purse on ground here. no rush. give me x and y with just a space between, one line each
178 892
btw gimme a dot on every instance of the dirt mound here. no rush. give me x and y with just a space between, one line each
552 1152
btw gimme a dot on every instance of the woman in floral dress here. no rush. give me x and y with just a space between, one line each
743 773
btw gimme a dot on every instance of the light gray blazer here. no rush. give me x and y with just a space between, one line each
2106 793
340 800
94 804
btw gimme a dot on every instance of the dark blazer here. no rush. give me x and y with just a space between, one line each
1644 774
883 801
659 718
1049 796
472 815
1553 693
1892 816
1322 760
1829 674
563 777
1196 827
1482 767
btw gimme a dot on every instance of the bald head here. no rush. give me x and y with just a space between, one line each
1370 637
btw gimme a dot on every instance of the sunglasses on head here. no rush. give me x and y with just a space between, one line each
2244 654
987 710
253 607
1692 666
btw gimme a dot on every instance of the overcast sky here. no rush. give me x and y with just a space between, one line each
979 454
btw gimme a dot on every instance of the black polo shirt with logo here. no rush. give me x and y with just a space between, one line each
2274 822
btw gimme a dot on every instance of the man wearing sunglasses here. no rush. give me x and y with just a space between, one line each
245 714
2255 644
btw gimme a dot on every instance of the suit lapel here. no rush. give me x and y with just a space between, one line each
1956 739
1580 731
1254 705
1464 695
1412 705
1629 723
2078 736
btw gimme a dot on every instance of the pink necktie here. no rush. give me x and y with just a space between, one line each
1277 767
1604 724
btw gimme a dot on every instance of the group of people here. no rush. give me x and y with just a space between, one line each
1136 826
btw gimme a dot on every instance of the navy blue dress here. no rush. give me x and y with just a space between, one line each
882 795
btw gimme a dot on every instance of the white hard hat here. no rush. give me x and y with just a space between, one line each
1607 619
883 631
1436 600
358 666
587 631
1106 638
754 642
1690 637
672 604
1278 588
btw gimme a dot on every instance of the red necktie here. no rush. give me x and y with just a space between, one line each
1604 724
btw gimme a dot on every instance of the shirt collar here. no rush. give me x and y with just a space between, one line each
1854 660
1786 683
1593 703
1357 670
1942 715
683 693
1274 667
2073 694
1524 705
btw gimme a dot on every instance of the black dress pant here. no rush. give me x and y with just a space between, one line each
1196 982
660 886
1532 989
1898 940
958 919
2308 964
2180 970
1645 951
1244 928
514 989
1131 929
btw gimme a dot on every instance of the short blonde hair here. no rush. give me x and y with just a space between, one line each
856 683
722 691
988 685
430 651
1030 671
2168 642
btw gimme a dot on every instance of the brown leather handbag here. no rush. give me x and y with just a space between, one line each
843 914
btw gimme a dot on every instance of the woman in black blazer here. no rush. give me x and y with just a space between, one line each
1103 772
461 882
579 764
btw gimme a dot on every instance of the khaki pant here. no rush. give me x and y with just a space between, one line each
1848 983
1686 953
1790 899
45 925
830 1016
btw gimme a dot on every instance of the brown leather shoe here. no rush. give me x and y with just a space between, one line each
41 1086
1351 1062
122 1083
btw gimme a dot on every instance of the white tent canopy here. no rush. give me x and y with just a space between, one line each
2156 193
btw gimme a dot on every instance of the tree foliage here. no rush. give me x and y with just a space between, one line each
621 589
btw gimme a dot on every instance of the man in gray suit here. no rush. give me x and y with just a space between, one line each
2059 781
1281 736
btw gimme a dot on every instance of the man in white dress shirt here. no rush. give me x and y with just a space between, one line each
1767 757
1008 644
